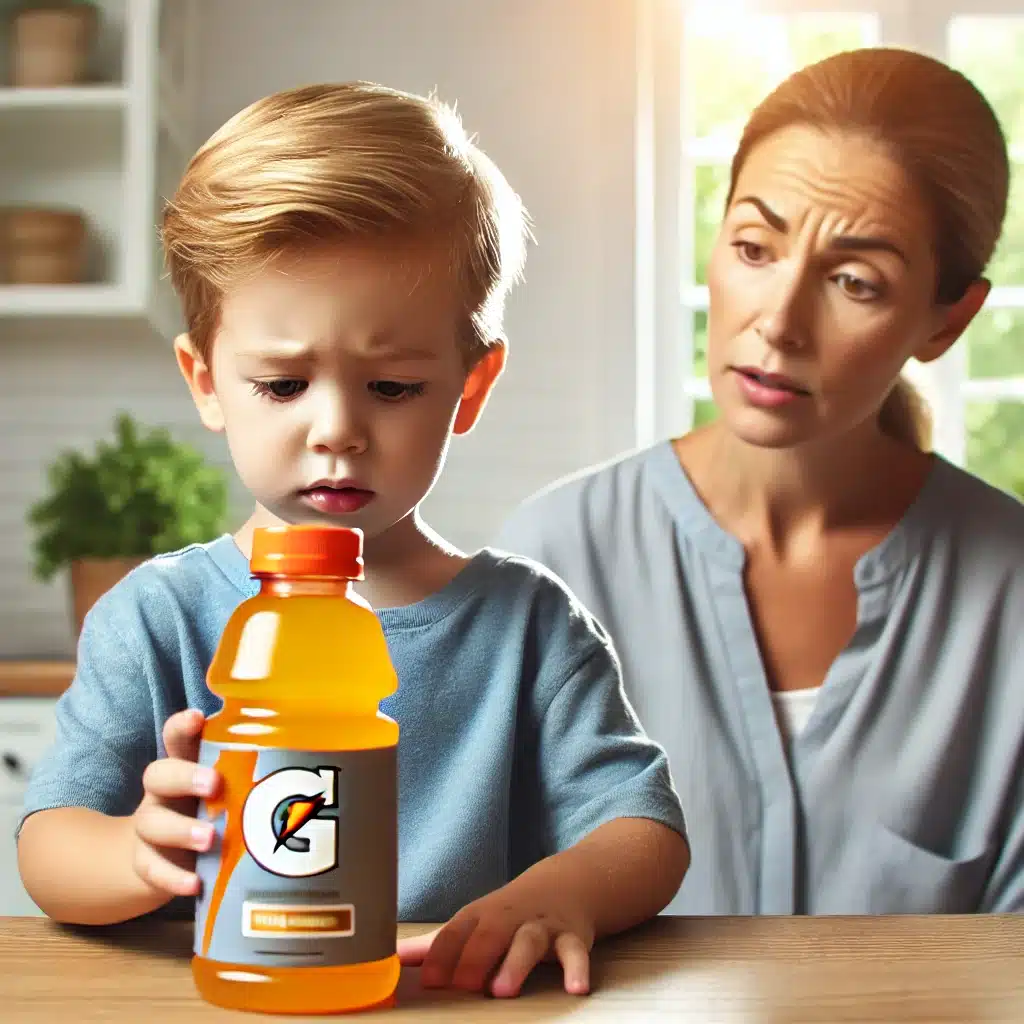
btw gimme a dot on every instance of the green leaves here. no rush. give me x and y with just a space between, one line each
139 496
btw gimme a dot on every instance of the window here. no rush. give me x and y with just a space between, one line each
987 50
727 57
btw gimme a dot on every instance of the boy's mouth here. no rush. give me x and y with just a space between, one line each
337 499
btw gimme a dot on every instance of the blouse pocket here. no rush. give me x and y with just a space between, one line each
910 879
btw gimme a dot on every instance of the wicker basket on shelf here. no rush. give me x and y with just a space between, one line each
51 44
42 246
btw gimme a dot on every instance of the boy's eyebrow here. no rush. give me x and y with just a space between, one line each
386 349
298 350
278 350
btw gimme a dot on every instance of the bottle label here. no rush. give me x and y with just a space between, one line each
304 869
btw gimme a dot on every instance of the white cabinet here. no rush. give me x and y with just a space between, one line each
110 149
26 730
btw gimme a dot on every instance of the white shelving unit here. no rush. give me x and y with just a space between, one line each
112 149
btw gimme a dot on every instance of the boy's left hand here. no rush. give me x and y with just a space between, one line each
512 929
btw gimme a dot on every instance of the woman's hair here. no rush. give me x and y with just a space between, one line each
941 130
338 163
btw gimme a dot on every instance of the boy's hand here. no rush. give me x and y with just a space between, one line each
512 929
166 832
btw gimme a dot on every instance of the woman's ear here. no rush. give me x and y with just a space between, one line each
200 383
479 382
954 319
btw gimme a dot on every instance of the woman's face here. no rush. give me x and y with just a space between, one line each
821 286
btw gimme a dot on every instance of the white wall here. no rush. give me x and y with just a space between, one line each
548 87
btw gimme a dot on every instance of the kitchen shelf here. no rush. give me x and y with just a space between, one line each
113 149
58 300
72 159
84 97
35 678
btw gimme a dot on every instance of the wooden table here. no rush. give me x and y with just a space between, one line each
801 970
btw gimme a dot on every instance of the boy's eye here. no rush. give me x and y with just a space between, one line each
395 390
280 390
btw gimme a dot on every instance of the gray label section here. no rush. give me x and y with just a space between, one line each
316 882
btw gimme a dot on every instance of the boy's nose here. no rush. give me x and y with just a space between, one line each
338 432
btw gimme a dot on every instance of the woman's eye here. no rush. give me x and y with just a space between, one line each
395 390
856 287
751 252
279 390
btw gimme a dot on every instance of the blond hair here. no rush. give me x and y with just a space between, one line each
941 130
336 163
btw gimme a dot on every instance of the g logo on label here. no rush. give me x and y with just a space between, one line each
282 822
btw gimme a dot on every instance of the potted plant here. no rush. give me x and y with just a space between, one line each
137 497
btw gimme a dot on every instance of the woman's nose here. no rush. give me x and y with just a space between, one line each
782 325
777 332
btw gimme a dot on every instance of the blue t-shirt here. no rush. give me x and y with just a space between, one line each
516 735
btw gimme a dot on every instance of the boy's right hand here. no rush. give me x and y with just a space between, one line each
166 832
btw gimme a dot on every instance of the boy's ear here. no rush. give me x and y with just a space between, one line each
479 382
200 383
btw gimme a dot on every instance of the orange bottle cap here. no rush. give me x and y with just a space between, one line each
307 550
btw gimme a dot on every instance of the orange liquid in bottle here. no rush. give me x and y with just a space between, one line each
306 864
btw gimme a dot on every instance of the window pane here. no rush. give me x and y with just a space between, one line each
1007 266
994 451
712 186
813 37
988 50
704 411
730 64
700 344
995 343
728 68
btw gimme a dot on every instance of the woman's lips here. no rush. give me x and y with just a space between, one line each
768 390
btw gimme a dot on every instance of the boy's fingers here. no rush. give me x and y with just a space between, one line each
161 874
484 950
575 960
445 950
170 779
160 826
529 946
413 951
182 732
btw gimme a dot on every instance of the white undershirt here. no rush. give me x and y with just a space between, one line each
793 709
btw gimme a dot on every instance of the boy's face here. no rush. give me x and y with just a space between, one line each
338 380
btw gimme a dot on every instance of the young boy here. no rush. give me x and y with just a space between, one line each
342 254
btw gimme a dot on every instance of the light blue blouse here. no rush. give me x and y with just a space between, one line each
905 791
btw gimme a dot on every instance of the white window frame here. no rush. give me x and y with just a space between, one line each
666 387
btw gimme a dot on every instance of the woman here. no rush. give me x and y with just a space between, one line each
819 619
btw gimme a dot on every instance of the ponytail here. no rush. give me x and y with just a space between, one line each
906 417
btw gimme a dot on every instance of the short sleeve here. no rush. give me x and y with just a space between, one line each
105 734
595 761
